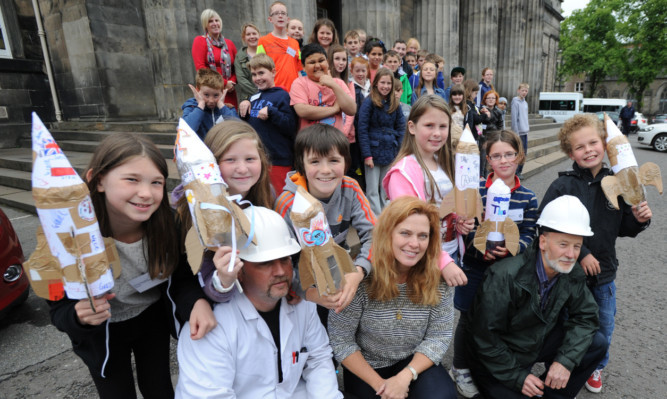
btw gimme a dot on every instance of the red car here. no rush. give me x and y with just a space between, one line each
14 282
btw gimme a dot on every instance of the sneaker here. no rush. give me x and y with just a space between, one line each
594 383
464 383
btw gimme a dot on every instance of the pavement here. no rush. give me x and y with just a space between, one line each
36 360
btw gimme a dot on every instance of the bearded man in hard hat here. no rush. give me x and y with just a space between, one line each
536 307
263 346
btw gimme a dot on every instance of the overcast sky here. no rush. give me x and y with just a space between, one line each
571 5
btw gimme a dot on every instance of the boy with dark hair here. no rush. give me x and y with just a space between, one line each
207 107
284 50
457 75
322 154
270 113
582 138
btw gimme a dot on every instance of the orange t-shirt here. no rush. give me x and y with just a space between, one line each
285 54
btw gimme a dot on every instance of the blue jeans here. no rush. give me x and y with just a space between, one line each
524 142
605 296
463 295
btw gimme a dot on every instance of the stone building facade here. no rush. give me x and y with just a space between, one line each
130 59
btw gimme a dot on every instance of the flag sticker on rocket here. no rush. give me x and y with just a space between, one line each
498 229
464 199
628 180
216 218
72 258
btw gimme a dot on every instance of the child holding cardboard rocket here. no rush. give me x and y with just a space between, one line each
503 195
582 139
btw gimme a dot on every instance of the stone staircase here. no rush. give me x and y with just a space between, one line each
79 139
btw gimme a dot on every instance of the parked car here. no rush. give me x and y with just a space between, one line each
613 115
654 135
638 122
14 282
660 118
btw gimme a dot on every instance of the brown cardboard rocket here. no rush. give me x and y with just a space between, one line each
628 180
214 213
464 199
72 258
322 261
497 228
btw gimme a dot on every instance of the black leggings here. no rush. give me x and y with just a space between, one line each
147 336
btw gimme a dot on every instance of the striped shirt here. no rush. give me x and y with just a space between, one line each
389 331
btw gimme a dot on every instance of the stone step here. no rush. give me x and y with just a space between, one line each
16 179
130 126
537 165
19 160
17 198
167 150
98 136
542 150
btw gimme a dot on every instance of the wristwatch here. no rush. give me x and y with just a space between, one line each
413 371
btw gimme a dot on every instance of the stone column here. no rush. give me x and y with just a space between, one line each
379 18
436 24
479 37
533 58
511 47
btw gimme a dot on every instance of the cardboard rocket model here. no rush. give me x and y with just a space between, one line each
216 219
322 261
72 258
628 180
497 229
464 199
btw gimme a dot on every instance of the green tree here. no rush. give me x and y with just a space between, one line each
643 27
589 44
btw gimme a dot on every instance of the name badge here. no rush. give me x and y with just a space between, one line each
291 52
145 283
255 97
515 214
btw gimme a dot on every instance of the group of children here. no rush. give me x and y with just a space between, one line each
402 155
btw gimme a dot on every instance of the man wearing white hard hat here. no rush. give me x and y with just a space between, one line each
262 346
534 308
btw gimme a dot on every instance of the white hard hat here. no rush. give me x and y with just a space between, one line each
566 214
273 237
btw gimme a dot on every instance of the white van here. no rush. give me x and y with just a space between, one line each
560 106
594 105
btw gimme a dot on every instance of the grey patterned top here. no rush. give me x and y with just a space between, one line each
389 331
128 303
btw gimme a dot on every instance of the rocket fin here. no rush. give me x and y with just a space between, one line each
343 259
511 233
448 204
649 175
612 189
481 234
306 268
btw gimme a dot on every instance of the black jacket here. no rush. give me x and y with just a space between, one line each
89 342
493 121
507 328
607 223
472 119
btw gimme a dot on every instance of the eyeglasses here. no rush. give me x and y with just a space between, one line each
510 156
280 13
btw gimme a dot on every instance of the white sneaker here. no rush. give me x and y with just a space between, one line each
464 383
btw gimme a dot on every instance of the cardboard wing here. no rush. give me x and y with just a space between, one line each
497 226
322 261
72 258
213 213
629 179
464 199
